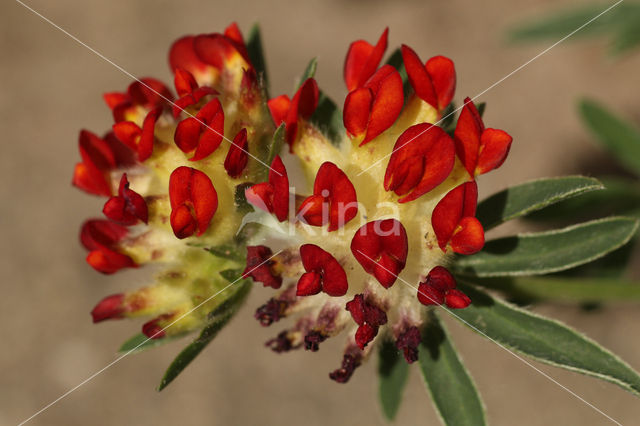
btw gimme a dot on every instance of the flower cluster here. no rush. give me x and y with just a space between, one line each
357 242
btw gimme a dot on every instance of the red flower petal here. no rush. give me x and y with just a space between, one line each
365 334
384 105
204 133
443 76
428 295
279 107
216 49
310 283
439 288
331 186
260 267
184 82
381 249
110 307
363 60
456 299
155 328
356 308
100 233
441 279
88 178
101 238
96 151
237 156
113 99
468 238
147 138
494 148
139 139
435 82
363 311
422 158
333 279
301 106
480 150
128 133
272 196
193 200
128 207
108 261
453 219
182 55
149 93
419 77
188 90
357 107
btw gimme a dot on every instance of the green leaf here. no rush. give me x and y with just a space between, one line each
328 119
256 53
560 24
232 275
618 137
448 120
393 371
227 251
522 199
450 385
550 251
274 148
543 339
613 265
620 196
628 36
240 199
565 289
309 72
217 319
140 343
481 107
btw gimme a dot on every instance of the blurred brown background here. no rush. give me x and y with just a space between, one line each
51 87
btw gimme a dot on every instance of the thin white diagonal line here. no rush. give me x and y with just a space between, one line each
496 83
547 376
129 352
124 71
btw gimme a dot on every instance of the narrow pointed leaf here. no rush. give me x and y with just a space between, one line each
140 343
448 381
393 371
256 53
627 37
565 289
560 24
619 137
240 198
309 72
543 339
218 318
550 251
620 196
227 251
525 198
232 275
328 119
277 144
